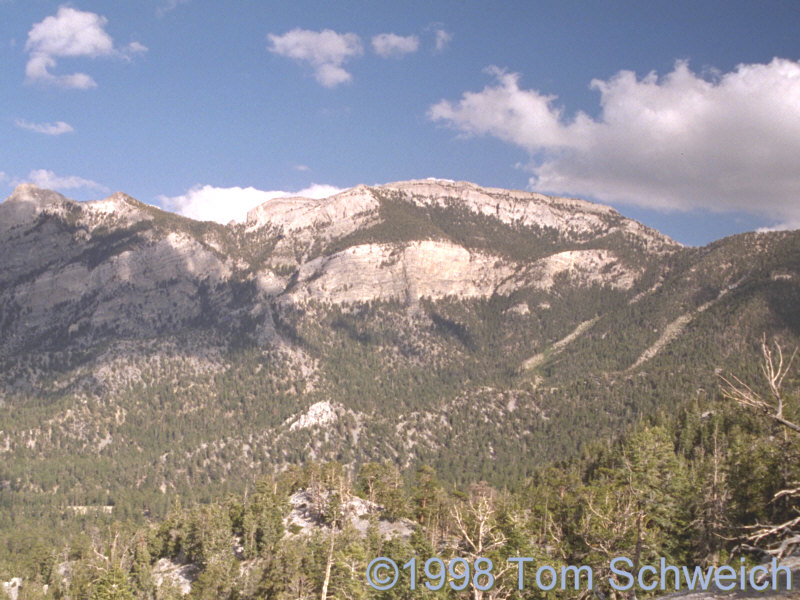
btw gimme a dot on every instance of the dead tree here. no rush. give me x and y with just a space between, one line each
781 539
775 370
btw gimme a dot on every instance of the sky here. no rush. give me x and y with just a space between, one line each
682 115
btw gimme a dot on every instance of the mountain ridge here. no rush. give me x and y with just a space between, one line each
123 240
448 328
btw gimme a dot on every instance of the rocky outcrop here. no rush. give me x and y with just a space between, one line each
580 267
28 202
341 213
318 414
307 508
573 218
509 206
399 272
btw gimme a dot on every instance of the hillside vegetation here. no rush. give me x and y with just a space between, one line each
486 334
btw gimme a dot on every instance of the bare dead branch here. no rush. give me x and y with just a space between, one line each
789 493
775 370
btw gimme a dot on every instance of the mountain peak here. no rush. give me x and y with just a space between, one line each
32 194
118 204
295 212
27 201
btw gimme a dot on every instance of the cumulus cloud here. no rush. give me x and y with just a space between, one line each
57 128
391 45
223 205
443 38
729 142
47 179
326 51
784 226
70 33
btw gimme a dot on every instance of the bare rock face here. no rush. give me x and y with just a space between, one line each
389 272
72 269
581 267
305 224
343 212
304 517
177 575
436 268
28 202
318 414
25 203
11 588
150 267
117 209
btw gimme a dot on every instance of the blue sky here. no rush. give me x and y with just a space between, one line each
683 115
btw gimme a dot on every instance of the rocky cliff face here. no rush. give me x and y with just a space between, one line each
73 268
117 266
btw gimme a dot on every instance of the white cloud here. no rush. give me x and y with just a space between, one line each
784 226
223 205
522 117
132 49
391 45
169 6
47 179
443 38
70 33
57 128
678 142
326 51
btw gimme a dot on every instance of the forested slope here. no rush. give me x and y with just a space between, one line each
485 333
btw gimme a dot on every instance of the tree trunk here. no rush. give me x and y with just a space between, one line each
328 565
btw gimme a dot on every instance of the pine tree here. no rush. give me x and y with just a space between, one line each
111 585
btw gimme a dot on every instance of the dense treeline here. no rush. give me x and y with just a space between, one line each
685 486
